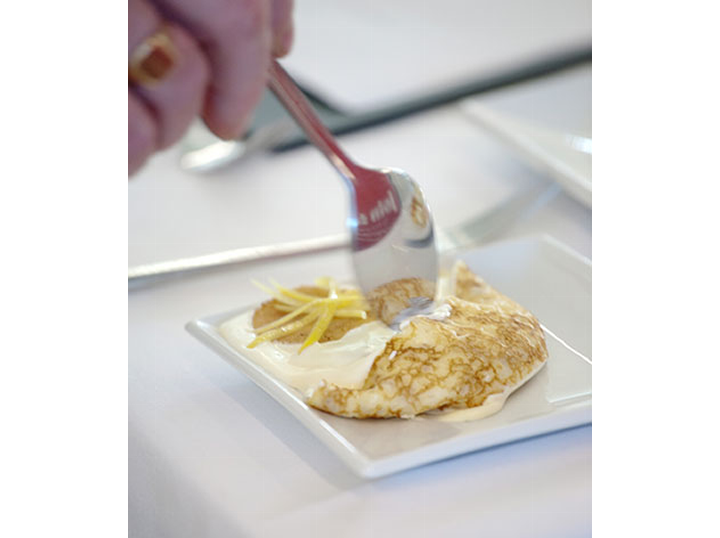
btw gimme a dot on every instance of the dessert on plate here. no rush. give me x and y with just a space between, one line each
458 361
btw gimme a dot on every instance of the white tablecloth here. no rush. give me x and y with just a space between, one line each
210 454
408 48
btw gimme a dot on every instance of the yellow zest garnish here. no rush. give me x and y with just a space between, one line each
344 313
320 327
285 330
339 313
293 294
277 295
325 282
285 319
321 310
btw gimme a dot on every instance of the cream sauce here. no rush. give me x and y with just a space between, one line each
345 362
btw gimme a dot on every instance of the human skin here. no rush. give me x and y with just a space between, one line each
224 48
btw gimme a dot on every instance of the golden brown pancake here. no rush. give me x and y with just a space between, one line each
488 345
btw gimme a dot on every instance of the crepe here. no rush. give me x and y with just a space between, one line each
483 350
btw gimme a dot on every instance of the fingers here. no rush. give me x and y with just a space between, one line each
236 36
159 114
223 49
178 98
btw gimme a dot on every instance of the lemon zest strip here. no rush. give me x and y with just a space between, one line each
321 310
285 319
276 295
320 326
339 313
285 330
294 294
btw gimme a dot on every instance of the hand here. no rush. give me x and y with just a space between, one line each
222 49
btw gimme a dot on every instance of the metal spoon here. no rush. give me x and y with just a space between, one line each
390 223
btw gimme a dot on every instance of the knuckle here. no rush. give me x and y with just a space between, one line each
195 64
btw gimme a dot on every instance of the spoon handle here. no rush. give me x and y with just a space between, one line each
292 98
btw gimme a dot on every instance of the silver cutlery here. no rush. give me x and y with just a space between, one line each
391 228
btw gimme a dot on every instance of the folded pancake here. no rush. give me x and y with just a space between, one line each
487 347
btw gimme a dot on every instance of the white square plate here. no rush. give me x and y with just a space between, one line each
565 157
541 274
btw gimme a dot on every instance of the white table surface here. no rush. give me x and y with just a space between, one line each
421 46
210 454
